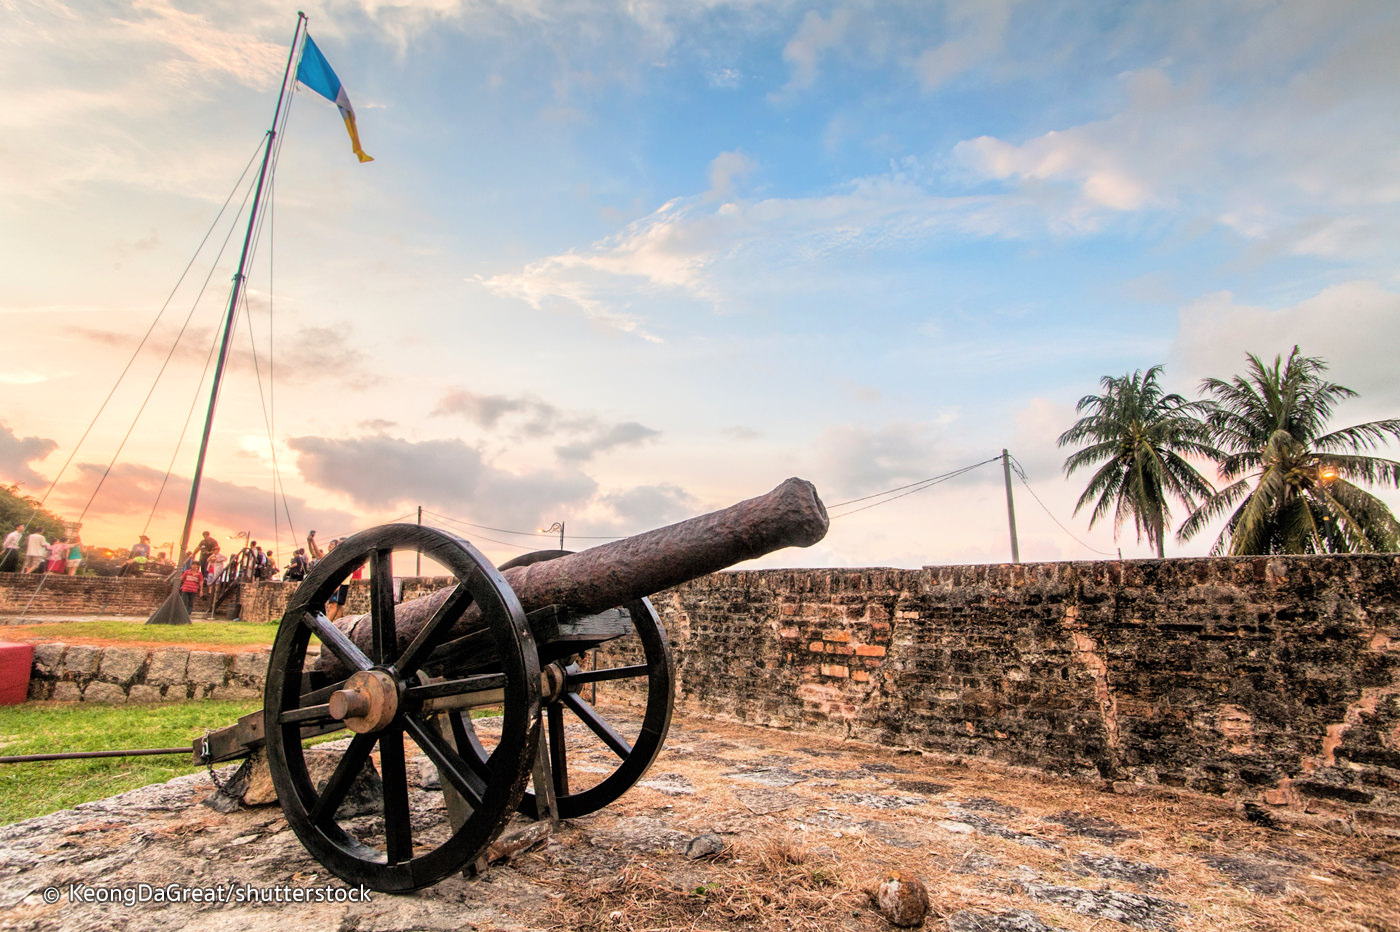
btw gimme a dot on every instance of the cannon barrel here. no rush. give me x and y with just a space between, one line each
593 580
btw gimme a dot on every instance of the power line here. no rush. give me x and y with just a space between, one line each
501 530
912 487
1021 474
912 484
503 543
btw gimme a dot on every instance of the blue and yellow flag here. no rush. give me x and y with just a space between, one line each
315 72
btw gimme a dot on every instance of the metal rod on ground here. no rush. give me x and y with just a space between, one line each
83 755
1010 506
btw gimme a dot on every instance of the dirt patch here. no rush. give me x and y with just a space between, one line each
794 857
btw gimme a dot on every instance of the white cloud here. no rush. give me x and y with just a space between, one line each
708 252
1295 151
855 460
129 494
726 170
1343 324
618 435
975 29
16 453
815 36
379 472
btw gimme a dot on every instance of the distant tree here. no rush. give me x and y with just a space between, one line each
1141 436
1291 480
18 508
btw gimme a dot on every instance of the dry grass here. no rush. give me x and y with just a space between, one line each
807 866
773 884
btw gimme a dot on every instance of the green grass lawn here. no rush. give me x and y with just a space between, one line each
225 633
28 790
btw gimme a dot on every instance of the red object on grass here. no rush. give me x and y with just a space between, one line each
15 663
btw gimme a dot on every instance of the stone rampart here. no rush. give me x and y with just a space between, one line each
1275 681
34 595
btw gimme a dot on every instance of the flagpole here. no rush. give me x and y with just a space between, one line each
238 280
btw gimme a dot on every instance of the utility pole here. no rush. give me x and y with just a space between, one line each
1010 505
418 568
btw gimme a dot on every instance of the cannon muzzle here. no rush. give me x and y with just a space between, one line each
593 580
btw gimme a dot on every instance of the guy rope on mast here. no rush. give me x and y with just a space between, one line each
316 73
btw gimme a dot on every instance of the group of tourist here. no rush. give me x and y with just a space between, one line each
33 553
207 566
62 556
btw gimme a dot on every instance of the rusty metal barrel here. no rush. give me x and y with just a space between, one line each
593 580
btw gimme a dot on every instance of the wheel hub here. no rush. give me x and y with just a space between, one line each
368 703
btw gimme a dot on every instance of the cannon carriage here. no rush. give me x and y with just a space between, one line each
535 638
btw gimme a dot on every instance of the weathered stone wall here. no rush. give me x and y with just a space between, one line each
1270 680
1276 681
32 595
267 600
77 672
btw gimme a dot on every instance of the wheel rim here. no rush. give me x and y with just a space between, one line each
401 848
629 751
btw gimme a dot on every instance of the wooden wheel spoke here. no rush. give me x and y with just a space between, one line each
381 606
609 673
459 687
590 717
307 715
337 642
452 768
432 633
558 751
398 831
339 784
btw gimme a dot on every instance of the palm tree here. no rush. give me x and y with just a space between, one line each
1141 435
1291 482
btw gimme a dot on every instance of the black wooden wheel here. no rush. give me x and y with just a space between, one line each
594 764
406 844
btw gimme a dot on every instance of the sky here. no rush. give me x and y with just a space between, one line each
616 264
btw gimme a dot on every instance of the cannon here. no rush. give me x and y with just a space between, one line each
530 638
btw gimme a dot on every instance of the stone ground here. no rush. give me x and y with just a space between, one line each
13 618
806 825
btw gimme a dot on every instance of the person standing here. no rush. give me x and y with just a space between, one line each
190 582
296 570
35 549
58 557
75 556
208 546
215 573
9 555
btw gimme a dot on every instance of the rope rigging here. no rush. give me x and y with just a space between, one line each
141 345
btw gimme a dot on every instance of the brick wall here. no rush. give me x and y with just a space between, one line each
1274 681
36 595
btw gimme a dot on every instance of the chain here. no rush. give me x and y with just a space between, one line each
219 785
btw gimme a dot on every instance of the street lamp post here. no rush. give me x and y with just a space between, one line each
556 526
